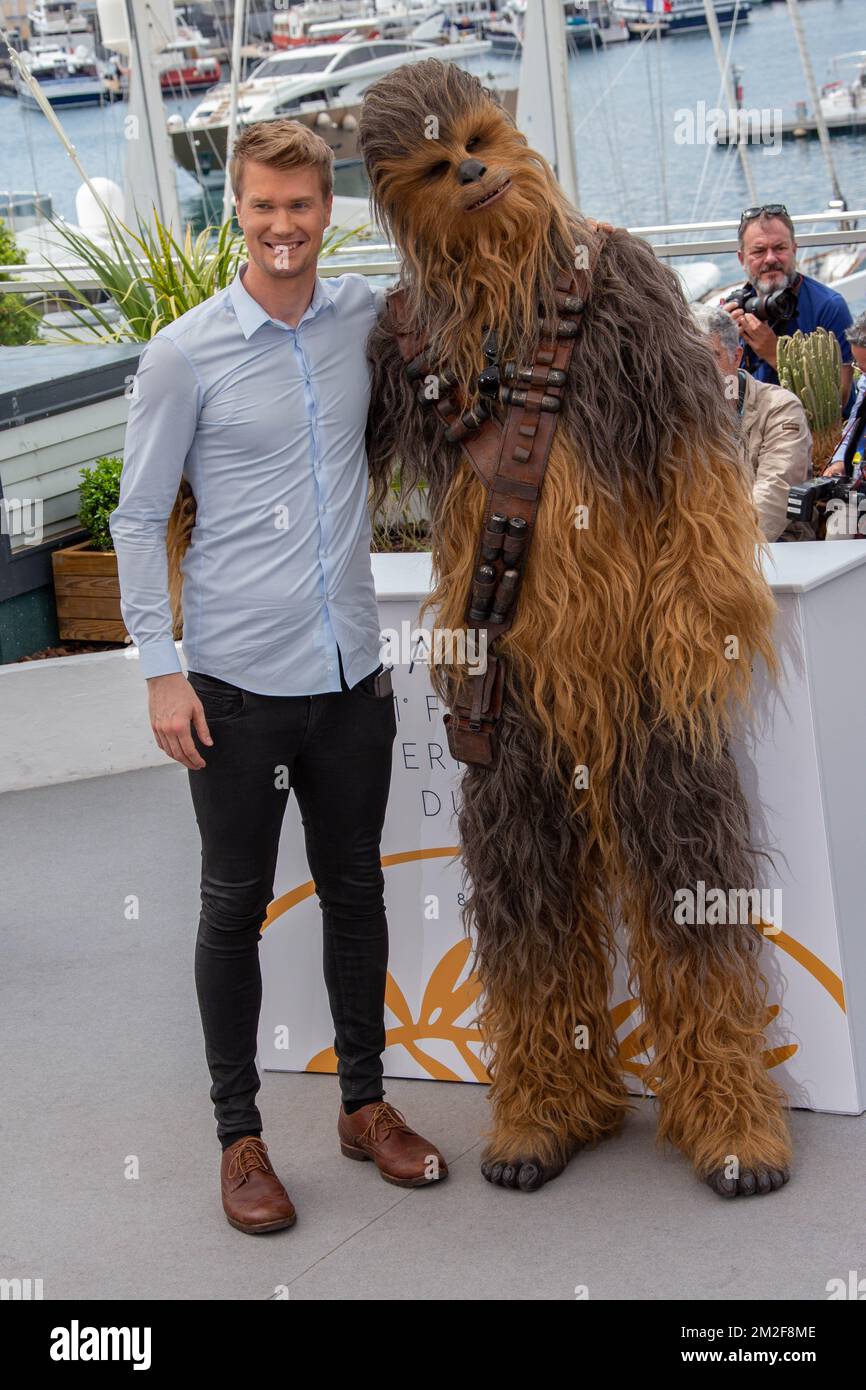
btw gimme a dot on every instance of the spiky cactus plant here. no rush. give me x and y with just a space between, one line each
810 365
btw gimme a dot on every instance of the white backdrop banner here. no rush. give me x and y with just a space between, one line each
431 997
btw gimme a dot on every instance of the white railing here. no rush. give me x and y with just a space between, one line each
380 258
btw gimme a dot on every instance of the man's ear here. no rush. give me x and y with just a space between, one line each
328 206
740 258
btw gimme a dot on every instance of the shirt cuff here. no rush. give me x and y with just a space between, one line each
159 658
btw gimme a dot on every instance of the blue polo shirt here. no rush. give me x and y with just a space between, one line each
817 307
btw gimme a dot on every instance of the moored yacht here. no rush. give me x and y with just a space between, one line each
321 85
843 98
66 79
319 76
54 19
676 16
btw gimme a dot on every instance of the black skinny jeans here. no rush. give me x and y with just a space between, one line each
336 752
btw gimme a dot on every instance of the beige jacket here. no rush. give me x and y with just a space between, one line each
776 447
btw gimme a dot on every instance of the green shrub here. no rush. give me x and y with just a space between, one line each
99 494
16 321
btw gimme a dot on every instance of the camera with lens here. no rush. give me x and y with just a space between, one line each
812 504
774 308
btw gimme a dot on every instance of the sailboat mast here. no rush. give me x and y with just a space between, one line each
544 95
806 61
235 77
150 174
724 69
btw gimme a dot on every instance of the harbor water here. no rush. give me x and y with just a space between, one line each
634 166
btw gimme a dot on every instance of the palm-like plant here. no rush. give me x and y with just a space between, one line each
400 525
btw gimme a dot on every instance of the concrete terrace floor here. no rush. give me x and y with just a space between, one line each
103 1058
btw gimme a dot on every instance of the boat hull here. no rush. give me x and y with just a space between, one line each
688 20
188 79
202 151
96 97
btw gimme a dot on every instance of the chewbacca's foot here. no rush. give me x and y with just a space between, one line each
756 1181
525 1174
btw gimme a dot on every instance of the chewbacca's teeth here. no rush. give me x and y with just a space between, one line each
488 196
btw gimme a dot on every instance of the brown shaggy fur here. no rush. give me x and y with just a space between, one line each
620 658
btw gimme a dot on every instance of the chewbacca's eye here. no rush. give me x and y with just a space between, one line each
471 143
437 170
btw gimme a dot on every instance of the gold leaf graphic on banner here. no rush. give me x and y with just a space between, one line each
444 1002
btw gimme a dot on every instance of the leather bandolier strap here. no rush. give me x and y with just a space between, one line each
510 459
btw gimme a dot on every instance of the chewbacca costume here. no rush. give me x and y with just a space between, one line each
640 609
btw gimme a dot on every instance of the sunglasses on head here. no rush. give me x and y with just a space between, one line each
770 209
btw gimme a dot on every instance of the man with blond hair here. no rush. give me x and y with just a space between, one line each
259 397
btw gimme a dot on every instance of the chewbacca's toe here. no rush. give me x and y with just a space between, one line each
521 1174
532 1176
751 1182
726 1187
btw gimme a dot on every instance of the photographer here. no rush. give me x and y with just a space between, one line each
778 300
775 440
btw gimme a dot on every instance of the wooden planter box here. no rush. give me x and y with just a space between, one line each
87 592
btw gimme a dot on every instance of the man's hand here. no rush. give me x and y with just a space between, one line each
759 335
173 705
834 470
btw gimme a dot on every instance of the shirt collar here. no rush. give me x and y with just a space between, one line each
251 315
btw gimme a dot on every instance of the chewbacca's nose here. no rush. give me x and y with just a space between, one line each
471 170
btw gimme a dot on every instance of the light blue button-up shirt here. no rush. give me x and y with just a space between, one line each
267 422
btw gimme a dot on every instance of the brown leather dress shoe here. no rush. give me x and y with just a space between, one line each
254 1199
379 1132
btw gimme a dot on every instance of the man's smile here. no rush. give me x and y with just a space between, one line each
284 246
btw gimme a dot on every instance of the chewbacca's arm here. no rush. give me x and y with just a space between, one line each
644 389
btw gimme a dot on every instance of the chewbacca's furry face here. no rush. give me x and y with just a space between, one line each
481 223
448 169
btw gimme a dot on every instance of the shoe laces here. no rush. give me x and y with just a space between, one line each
382 1121
249 1156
